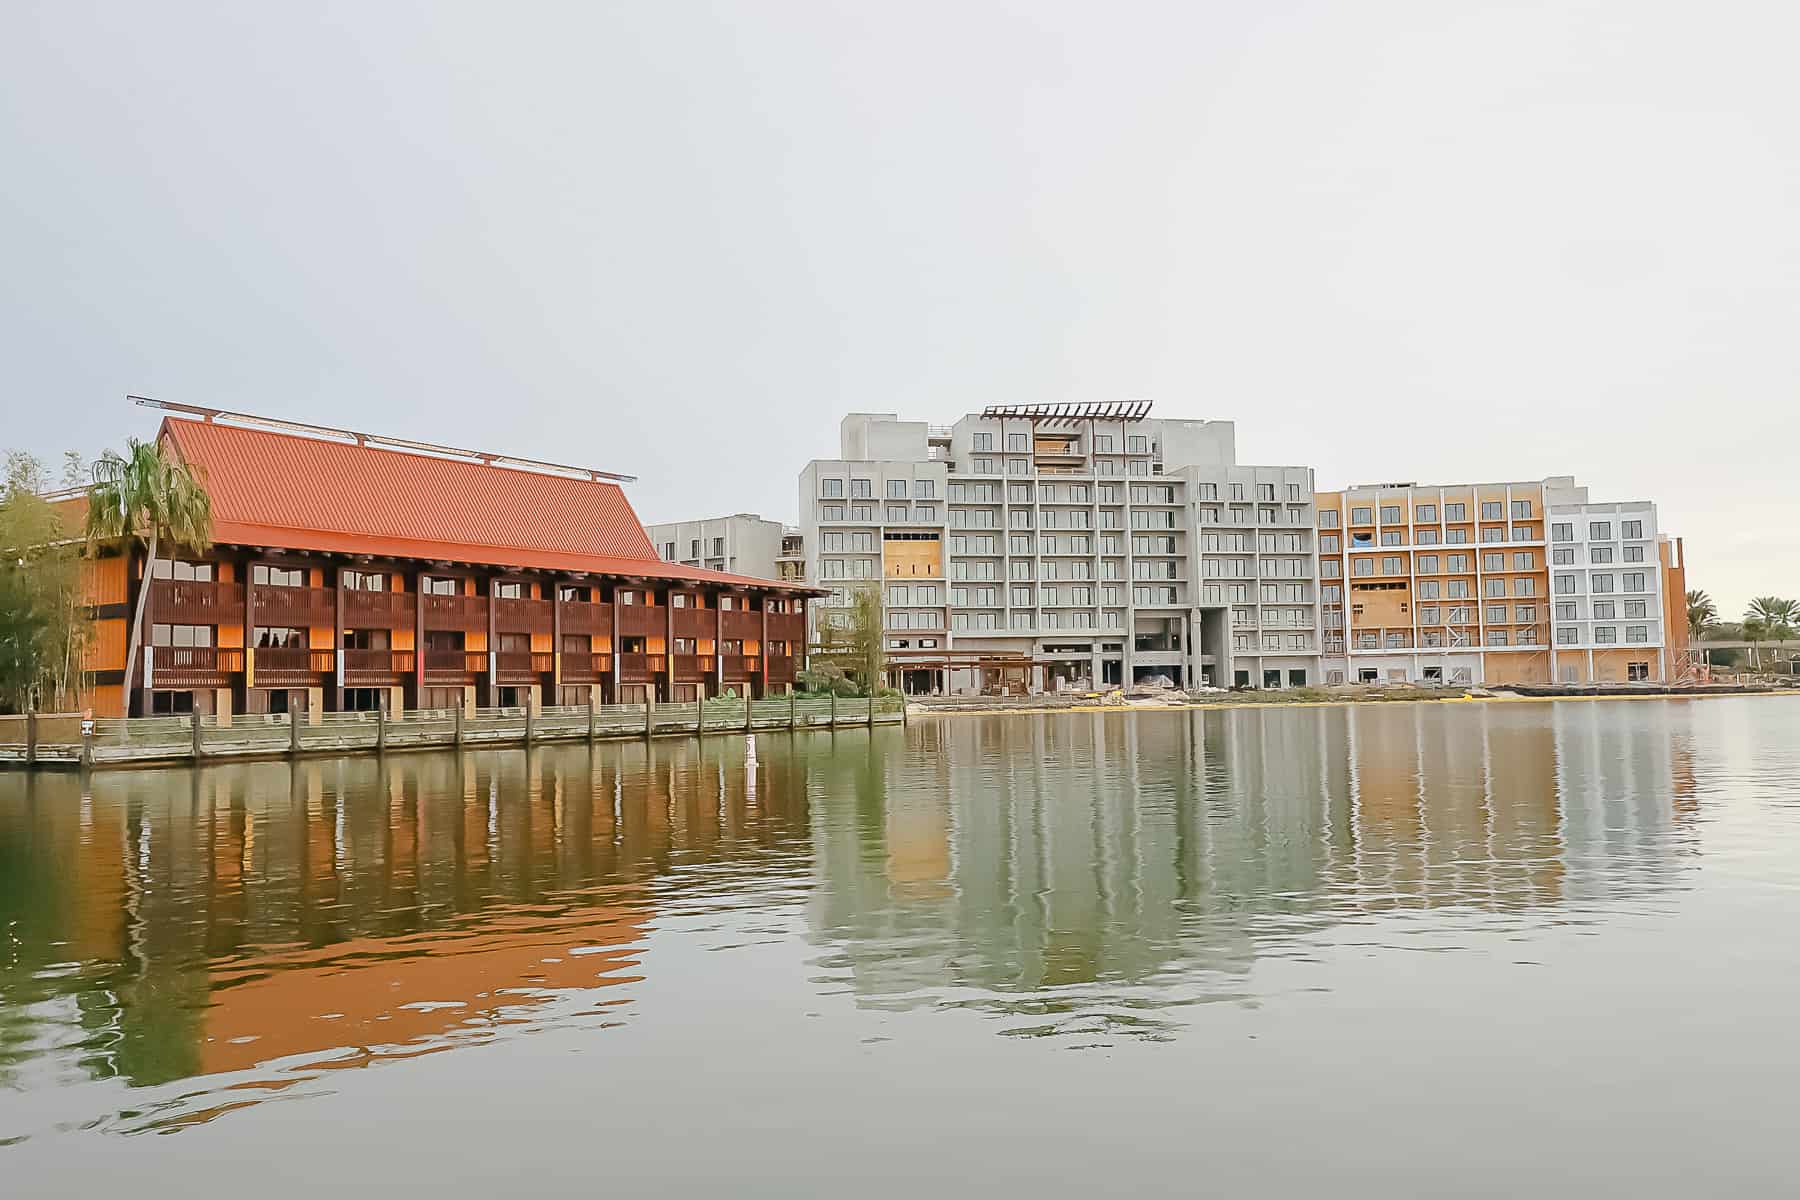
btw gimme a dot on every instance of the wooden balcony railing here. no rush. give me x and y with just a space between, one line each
640 668
582 618
787 627
643 620
291 661
741 626
585 668
194 666
695 622
738 666
376 666
780 668
690 668
378 610
187 602
459 614
298 607
523 666
457 664
524 615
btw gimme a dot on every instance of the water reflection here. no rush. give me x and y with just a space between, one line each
1086 876
1090 869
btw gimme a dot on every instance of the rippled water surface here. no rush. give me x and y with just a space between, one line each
1445 949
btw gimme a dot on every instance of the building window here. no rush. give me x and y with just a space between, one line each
1637 633
1600 554
1599 584
1455 512
1599 531
1631 529
1634 581
1605 633
277 576
1328 518
832 489
1361 516
1567 635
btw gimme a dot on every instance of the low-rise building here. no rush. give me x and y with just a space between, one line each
350 571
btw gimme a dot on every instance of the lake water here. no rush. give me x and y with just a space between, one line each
1434 949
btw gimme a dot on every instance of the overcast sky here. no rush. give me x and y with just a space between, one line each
1435 240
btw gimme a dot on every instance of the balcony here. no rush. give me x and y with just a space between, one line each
739 626
639 668
690 668
579 617
188 602
523 615
452 667
456 614
737 667
643 620
379 610
586 668
780 668
787 627
292 666
522 666
193 666
376 668
695 622
297 607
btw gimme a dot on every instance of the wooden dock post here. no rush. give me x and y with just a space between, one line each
381 723
293 732
31 737
590 714
834 710
458 710
197 748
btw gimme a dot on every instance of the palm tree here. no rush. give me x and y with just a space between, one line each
148 493
1702 613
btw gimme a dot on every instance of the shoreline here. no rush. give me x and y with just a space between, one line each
924 710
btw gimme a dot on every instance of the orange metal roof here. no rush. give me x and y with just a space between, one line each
304 493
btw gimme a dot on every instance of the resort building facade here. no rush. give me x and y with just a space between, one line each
1496 583
1053 547
741 544
350 571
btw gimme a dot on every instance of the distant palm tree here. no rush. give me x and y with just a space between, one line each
146 493
1702 613
1776 615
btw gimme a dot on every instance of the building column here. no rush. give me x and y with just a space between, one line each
556 643
614 643
762 651
249 677
419 641
493 650
337 654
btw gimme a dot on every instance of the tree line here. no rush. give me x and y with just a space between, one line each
45 614
1766 619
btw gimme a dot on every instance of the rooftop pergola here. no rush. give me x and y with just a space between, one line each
1071 414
